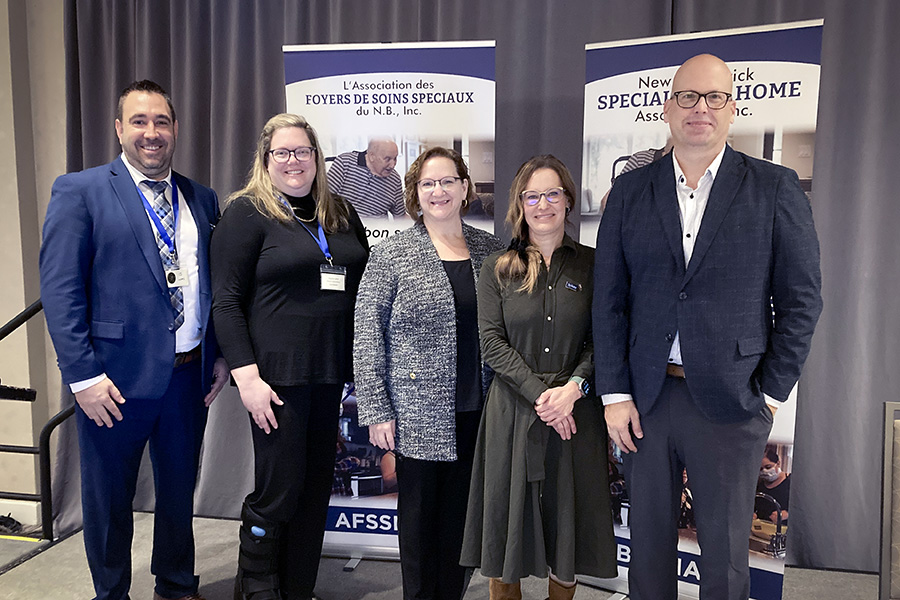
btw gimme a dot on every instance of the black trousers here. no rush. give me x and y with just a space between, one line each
431 510
722 462
294 468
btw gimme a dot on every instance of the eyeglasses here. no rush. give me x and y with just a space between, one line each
282 155
446 183
553 195
690 98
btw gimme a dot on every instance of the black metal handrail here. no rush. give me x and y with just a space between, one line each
20 318
45 497
46 488
22 395
14 393
10 449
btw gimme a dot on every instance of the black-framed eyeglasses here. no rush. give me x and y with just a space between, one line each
446 183
690 98
282 155
553 195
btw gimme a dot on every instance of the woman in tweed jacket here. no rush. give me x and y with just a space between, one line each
419 378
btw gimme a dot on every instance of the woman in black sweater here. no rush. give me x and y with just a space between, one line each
776 484
287 257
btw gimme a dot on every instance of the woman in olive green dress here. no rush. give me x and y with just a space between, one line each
539 499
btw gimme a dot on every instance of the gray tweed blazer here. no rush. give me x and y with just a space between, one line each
404 347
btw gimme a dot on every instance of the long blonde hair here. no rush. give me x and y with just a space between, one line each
522 260
331 211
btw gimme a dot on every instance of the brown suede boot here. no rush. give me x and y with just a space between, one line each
560 592
505 591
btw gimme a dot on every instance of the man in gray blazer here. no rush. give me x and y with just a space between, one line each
706 295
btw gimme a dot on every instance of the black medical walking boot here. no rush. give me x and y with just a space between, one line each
257 576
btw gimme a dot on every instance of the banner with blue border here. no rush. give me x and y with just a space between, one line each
375 109
403 97
776 73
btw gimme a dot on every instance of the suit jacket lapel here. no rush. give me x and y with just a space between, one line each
666 201
127 194
724 189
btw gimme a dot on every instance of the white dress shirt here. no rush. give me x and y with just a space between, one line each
691 206
189 335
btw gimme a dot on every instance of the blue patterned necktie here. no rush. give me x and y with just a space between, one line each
163 209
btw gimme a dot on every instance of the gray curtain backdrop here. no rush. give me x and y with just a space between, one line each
222 63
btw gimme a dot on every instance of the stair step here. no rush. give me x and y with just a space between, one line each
13 393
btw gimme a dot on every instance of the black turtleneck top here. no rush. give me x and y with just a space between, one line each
304 207
268 305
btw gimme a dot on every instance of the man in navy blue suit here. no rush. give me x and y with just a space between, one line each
706 295
126 291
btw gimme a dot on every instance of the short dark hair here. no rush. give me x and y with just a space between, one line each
772 453
144 85
412 179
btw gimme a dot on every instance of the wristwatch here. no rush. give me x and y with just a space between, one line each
582 384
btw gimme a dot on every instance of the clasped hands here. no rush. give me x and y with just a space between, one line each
554 407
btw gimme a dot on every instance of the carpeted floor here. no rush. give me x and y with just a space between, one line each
60 573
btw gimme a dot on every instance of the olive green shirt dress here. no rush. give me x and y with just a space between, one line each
537 501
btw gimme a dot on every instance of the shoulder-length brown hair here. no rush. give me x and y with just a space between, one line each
411 180
523 260
331 211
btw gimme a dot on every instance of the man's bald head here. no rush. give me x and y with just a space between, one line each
710 67
381 156
699 128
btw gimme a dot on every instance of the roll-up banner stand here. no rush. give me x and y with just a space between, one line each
357 96
776 86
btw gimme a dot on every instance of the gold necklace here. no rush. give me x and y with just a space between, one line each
294 210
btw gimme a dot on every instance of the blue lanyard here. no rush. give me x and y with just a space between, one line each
320 239
160 228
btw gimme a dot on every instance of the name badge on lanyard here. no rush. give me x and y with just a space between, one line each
332 277
175 275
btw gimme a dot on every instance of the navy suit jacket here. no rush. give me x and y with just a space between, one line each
103 285
756 251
